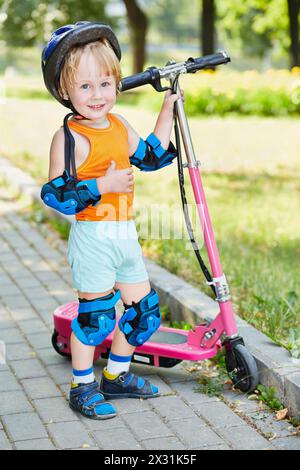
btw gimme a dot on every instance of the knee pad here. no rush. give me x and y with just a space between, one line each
141 319
96 319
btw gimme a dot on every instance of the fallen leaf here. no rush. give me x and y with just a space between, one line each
85 446
253 397
282 414
32 354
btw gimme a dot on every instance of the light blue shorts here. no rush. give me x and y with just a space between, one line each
103 253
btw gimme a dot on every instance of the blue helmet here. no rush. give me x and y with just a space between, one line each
62 39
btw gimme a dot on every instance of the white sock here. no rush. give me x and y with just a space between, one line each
117 364
83 376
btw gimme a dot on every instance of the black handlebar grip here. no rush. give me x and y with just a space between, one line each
134 81
207 61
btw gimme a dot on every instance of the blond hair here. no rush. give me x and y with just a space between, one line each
102 53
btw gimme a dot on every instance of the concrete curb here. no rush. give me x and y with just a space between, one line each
187 303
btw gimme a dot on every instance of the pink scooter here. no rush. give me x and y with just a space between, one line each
168 346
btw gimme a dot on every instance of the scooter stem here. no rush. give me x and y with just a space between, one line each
219 279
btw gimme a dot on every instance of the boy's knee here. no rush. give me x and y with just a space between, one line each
96 319
141 319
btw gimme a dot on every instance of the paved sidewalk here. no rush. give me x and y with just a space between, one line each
34 382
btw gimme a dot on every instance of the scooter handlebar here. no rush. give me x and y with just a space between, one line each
153 75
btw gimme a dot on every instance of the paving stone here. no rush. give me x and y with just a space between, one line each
240 401
213 447
40 340
47 276
10 290
164 443
5 281
128 405
30 327
54 410
16 271
171 408
35 444
177 373
104 424
266 422
24 426
49 304
186 390
69 435
85 447
38 291
117 439
6 323
50 357
217 414
40 388
61 374
4 442
17 301
28 369
20 313
244 438
8 258
28 281
22 351
194 432
14 402
163 388
8 382
12 336
146 425
287 443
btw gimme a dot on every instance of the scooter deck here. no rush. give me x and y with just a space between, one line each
166 347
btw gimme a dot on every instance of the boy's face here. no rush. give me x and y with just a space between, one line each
94 93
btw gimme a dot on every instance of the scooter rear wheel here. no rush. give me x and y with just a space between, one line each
57 346
242 368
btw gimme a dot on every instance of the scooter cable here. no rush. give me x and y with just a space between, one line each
184 200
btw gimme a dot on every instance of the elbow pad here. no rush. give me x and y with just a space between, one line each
151 156
69 195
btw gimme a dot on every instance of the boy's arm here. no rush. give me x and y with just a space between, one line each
57 152
157 151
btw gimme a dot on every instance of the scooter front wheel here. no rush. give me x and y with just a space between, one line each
242 368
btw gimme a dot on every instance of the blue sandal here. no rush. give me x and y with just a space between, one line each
87 399
127 385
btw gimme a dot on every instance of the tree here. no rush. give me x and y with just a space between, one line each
138 25
293 12
208 26
24 23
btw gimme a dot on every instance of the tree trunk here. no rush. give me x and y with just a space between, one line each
138 23
208 27
293 11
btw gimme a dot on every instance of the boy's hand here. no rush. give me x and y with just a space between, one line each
170 99
116 181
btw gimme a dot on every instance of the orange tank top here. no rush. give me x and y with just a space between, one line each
106 144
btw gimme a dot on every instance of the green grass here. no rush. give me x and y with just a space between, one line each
257 230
